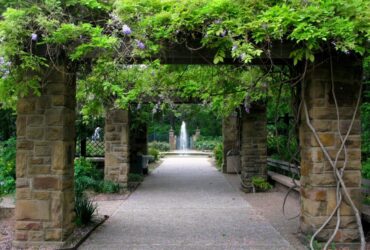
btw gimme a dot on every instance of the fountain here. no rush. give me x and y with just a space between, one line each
181 143
183 137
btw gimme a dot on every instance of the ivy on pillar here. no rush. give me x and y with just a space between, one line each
253 151
318 185
44 210
116 137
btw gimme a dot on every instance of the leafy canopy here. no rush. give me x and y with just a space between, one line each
99 36
243 28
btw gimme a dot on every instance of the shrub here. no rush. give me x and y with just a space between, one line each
160 146
106 187
366 200
135 177
83 183
84 167
366 169
154 152
207 143
219 154
279 148
87 176
84 209
260 184
7 166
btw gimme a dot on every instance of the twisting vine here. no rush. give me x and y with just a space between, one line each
341 187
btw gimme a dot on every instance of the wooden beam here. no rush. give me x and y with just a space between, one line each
278 53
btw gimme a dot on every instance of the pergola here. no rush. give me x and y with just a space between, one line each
46 145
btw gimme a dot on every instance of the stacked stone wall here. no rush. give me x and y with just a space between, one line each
318 184
253 146
44 211
117 152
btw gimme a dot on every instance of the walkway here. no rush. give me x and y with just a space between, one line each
186 204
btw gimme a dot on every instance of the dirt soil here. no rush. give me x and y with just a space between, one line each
6 233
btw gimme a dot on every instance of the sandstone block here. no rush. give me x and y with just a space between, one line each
327 139
42 103
28 225
35 133
57 88
313 208
22 182
43 150
38 170
35 235
35 121
314 194
26 105
46 183
21 125
23 193
41 195
24 145
21 164
53 235
21 235
59 155
32 210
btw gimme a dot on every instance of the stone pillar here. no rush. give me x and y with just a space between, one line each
116 137
231 139
44 213
318 186
172 139
253 151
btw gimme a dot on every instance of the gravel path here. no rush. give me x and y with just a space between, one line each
269 205
186 204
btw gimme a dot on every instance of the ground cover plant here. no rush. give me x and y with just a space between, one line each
87 176
260 184
7 166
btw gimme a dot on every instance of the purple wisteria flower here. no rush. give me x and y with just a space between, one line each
247 110
218 21
2 60
223 33
126 30
234 48
34 37
140 44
